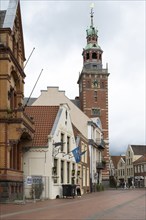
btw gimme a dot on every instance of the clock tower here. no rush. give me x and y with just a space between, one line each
93 86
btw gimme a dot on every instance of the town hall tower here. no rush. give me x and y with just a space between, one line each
93 86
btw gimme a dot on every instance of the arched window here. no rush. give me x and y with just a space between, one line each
94 55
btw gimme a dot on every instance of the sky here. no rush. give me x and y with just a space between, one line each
57 31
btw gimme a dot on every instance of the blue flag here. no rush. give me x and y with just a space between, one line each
77 154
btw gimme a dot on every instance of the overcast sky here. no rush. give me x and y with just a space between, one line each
57 30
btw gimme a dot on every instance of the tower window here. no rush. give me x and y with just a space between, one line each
96 111
95 96
87 56
94 56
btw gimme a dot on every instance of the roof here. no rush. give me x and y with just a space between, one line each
44 117
142 159
2 17
92 46
9 17
10 14
139 149
116 159
52 97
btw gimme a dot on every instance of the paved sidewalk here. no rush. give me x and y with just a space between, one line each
110 205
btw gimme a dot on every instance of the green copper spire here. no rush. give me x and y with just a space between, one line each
91 31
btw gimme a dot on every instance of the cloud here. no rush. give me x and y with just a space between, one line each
57 29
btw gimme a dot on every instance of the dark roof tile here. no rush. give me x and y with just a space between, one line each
139 149
142 159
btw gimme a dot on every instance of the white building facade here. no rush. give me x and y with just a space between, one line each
90 129
54 163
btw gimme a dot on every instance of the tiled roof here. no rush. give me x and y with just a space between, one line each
140 160
139 149
115 160
44 117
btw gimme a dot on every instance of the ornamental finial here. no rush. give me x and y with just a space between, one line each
92 6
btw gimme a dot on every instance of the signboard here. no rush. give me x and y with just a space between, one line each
29 180
36 179
33 180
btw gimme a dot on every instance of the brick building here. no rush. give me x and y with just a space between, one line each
16 128
93 87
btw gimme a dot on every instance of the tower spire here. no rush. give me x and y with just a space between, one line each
92 6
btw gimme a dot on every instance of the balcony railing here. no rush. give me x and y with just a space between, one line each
100 143
101 165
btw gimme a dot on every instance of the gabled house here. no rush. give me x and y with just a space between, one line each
49 161
89 129
140 171
113 170
121 168
133 153
16 128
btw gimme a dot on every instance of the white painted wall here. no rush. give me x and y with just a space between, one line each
39 161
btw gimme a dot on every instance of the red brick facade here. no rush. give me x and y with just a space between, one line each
93 86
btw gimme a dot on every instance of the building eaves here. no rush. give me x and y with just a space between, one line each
115 160
139 149
140 160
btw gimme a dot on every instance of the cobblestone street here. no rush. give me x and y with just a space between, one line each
109 204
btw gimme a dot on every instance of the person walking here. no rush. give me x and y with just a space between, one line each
78 191
125 185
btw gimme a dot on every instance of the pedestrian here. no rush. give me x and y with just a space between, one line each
125 185
132 184
78 191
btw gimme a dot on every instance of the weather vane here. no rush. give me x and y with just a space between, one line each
92 6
